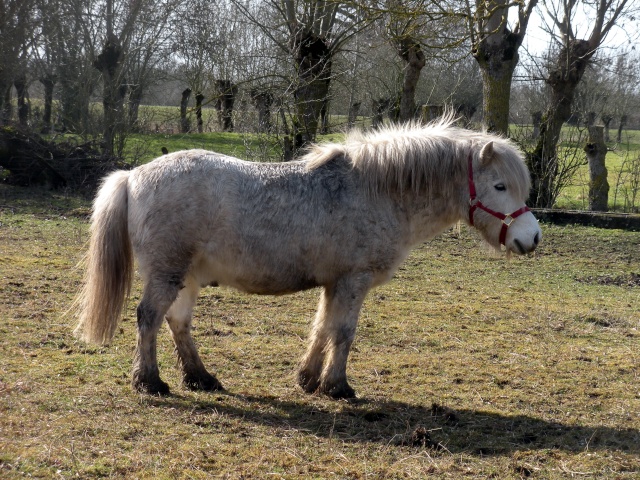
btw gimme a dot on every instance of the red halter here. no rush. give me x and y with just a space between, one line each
507 220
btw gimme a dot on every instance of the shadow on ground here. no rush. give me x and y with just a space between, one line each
396 423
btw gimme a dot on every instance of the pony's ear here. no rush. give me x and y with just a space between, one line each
487 154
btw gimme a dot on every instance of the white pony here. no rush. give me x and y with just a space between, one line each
342 218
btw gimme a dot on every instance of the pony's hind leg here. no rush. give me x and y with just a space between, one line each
324 366
158 295
194 374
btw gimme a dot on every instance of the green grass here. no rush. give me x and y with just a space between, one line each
624 192
514 369
142 148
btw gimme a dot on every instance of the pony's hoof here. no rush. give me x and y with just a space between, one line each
308 382
340 391
207 383
155 387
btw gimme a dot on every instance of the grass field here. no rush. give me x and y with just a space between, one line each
466 366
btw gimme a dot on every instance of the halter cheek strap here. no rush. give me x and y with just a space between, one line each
474 204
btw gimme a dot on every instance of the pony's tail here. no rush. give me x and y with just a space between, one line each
109 263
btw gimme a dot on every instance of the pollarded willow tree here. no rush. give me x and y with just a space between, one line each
495 47
119 20
574 54
16 25
412 27
310 32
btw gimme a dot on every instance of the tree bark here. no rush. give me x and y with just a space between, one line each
200 123
227 92
354 109
109 63
536 118
184 103
623 121
7 111
135 99
324 117
563 80
379 106
23 105
411 52
48 83
497 60
263 100
606 120
312 56
596 150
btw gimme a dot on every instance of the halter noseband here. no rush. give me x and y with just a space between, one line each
507 219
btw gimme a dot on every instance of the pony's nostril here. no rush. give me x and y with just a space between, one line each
536 239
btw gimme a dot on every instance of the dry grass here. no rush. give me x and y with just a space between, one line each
466 365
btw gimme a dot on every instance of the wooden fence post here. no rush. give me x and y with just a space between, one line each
596 151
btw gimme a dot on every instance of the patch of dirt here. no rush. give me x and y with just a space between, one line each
630 280
421 438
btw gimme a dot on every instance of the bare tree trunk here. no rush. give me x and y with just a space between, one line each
199 99
380 107
312 56
497 64
596 150
563 80
354 109
263 101
75 94
109 63
283 117
536 118
495 48
7 110
227 92
135 99
287 149
184 103
411 52
324 117
48 83
623 121
606 119
23 105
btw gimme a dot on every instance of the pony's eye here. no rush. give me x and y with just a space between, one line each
500 187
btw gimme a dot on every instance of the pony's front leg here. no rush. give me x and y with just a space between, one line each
194 374
311 365
324 366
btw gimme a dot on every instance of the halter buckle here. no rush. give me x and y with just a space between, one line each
508 220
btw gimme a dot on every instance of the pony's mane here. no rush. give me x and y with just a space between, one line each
414 156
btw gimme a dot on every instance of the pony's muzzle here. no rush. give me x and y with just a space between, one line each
523 247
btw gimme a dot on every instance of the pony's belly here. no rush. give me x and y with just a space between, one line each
255 279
